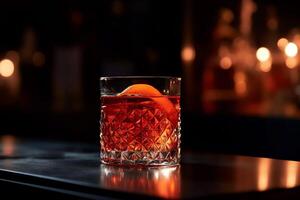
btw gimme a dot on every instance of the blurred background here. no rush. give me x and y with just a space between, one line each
239 62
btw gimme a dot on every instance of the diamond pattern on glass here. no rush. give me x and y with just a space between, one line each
140 132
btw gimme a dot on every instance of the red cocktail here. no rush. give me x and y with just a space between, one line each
140 126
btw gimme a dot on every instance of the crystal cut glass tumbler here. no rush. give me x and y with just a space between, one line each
140 120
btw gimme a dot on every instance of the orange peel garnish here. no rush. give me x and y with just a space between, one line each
146 90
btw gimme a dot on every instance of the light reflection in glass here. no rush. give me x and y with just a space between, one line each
163 182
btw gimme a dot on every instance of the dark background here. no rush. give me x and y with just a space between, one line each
134 37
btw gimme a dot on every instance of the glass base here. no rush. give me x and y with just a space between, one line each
134 158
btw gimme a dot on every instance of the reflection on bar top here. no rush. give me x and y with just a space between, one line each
198 175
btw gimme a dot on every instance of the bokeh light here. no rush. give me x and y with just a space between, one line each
265 66
291 62
263 54
291 49
281 43
6 68
8 146
188 54
225 62
240 82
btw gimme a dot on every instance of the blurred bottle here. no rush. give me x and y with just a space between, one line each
218 76
232 83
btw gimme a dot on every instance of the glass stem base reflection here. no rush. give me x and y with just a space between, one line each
151 158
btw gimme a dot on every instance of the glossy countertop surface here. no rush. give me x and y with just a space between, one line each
199 175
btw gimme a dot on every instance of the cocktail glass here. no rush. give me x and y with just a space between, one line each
140 120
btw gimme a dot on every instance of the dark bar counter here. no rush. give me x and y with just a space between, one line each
73 171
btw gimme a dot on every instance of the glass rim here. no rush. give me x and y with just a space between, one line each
139 77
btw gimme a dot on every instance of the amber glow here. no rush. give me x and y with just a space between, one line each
162 182
148 90
291 174
240 83
291 62
291 49
166 183
225 62
281 43
8 145
264 165
188 54
265 66
263 54
6 68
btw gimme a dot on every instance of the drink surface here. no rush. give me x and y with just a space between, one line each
139 129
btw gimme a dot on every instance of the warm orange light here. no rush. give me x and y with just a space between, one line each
148 90
162 182
166 184
264 165
291 62
291 49
291 174
265 66
281 43
240 83
6 68
263 54
188 54
8 145
167 172
225 62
